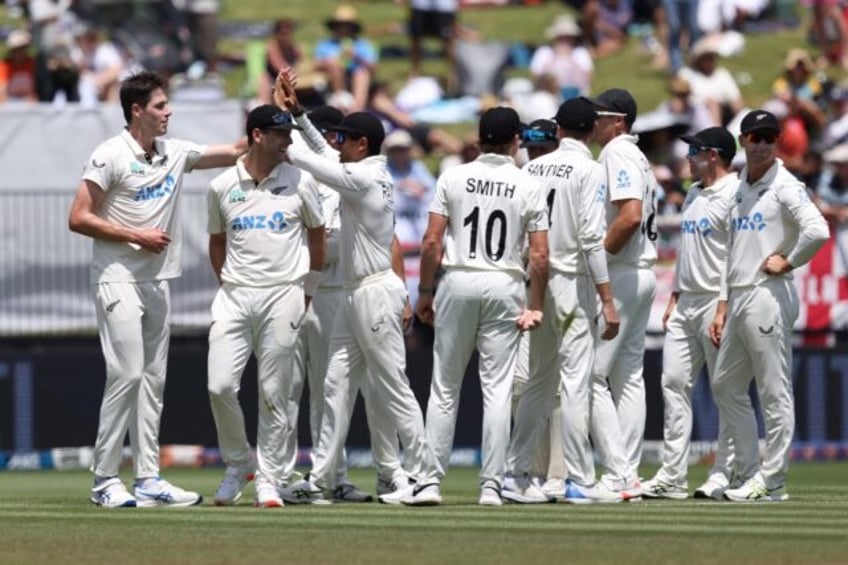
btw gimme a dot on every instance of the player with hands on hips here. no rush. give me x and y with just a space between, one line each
774 228
266 246
128 203
701 264
484 210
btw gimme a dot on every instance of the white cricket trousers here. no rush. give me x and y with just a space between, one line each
548 460
367 344
757 340
311 366
263 321
132 319
474 309
686 348
561 355
618 389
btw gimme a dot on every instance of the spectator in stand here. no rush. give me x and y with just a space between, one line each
564 58
53 26
711 84
282 51
381 104
468 152
433 18
680 15
414 186
347 60
101 67
605 24
201 17
836 130
17 69
801 90
832 190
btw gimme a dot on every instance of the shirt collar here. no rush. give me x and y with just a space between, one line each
571 144
140 154
495 159
247 181
766 179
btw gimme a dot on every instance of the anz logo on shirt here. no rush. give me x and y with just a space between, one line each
275 223
623 180
601 195
701 226
161 190
748 223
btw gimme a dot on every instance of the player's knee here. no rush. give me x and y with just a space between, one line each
221 389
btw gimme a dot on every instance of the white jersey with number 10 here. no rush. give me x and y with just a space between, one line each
490 205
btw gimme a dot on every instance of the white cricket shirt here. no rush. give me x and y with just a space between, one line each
366 192
491 205
629 176
139 194
573 185
265 224
773 215
704 236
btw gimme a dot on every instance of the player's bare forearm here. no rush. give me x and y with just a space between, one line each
217 156
431 251
217 253
538 268
626 223
317 242
397 259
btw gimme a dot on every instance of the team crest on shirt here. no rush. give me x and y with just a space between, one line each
236 195
388 191
622 181
137 168
738 196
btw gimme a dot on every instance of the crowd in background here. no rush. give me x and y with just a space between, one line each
74 51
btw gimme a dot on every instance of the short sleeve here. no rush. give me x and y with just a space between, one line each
100 169
193 152
215 219
439 204
311 210
623 177
536 215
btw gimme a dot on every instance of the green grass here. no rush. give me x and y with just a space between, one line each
45 518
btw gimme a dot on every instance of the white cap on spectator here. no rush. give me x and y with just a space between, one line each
563 26
704 46
838 154
398 139
18 38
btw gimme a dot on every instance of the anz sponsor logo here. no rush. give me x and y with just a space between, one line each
748 223
275 223
701 226
161 190
601 195
622 180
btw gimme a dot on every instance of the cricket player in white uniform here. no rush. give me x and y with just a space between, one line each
366 341
548 461
484 210
312 356
562 349
701 264
128 203
266 246
775 227
618 390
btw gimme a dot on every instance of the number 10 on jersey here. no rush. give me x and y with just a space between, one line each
495 223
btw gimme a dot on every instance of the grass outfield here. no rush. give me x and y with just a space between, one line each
45 518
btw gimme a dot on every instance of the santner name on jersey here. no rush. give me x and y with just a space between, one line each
489 187
560 170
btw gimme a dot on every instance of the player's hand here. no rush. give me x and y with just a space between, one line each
612 321
152 239
424 309
284 93
717 326
672 304
529 320
776 265
406 320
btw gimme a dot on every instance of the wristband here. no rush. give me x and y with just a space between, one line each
311 282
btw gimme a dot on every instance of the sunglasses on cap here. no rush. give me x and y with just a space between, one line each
695 149
605 113
767 136
342 136
538 135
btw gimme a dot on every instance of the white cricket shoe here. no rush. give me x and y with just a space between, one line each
554 488
388 486
429 494
490 494
235 477
755 490
523 491
267 495
112 493
303 492
595 494
630 490
656 488
713 488
159 492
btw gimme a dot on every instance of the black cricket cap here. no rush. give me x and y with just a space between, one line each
714 138
269 116
325 118
616 100
363 124
577 114
499 125
759 120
